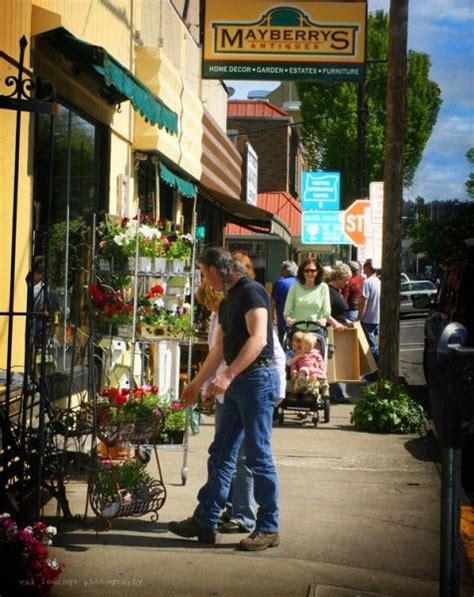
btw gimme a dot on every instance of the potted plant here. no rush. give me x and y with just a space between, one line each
386 408
27 568
111 309
148 239
175 422
180 251
125 415
161 255
112 254
150 312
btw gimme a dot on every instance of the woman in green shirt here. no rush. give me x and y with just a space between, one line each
308 299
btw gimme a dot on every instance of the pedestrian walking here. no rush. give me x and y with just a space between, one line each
250 382
279 293
369 308
338 280
352 290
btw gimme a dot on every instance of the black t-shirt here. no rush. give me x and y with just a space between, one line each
246 294
338 304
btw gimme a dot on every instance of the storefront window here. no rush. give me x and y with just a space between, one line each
79 176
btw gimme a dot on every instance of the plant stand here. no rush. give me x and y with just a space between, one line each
148 497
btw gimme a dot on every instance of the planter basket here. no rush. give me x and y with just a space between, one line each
150 498
135 432
139 432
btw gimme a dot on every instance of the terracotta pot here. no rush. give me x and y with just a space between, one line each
117 452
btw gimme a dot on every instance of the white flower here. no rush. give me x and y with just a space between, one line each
29 530
149 232
51 531
5 515
53 564
187 237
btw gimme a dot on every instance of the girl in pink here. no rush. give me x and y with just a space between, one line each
308 370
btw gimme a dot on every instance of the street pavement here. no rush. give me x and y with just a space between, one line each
359 516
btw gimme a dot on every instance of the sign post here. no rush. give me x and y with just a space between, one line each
320 190
323 228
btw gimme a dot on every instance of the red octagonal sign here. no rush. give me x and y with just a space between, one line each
355 221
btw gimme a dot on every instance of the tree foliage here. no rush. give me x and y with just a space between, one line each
330 114
470 180
440 229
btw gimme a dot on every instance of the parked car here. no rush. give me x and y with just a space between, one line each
404 278
416 296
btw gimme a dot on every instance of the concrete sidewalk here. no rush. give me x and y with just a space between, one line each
359 516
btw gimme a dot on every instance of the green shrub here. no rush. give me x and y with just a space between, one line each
384 408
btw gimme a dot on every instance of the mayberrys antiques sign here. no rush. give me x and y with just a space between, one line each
261 39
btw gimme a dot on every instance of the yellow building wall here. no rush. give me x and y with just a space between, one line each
108 24
14 22
169 64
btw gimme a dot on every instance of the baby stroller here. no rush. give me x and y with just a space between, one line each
305 400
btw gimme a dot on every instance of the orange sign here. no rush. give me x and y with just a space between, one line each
355 220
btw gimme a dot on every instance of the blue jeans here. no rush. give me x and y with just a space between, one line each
372 332
337 391
351 315
247 415
240 500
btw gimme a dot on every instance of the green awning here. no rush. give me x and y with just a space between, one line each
120 83
185 188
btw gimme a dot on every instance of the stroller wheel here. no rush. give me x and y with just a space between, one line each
327 410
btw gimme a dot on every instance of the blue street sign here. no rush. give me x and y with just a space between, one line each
320 190
323 228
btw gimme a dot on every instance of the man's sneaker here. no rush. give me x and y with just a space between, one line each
259 540
190 528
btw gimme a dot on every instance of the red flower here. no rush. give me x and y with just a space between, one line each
154 291
120 399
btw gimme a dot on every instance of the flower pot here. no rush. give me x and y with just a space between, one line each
159 265
125 331
177 436
117 452
144 264
177 266
146 330
110 510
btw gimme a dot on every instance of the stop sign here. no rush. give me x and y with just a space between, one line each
354 221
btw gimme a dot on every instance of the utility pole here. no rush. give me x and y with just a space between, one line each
361 139
393 191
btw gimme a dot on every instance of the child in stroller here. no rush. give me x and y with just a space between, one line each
308 389
307 366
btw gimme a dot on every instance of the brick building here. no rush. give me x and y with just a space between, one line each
271 132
